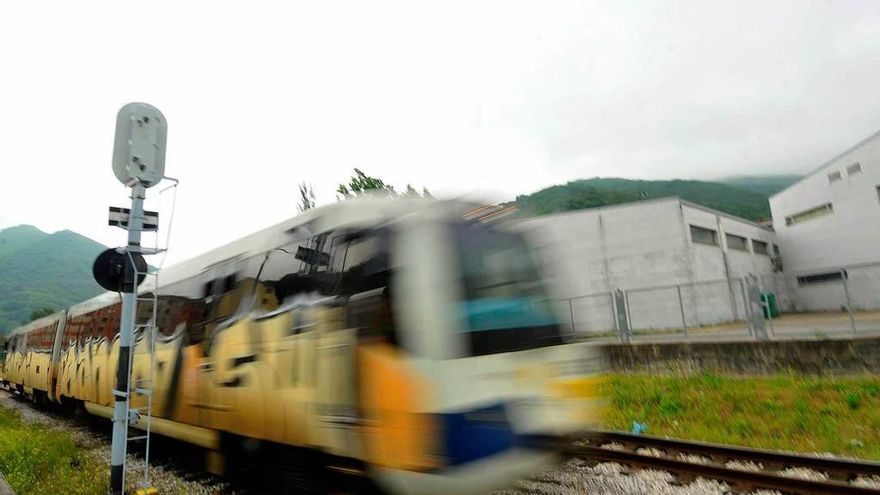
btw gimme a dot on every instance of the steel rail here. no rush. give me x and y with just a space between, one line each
836 468
839 470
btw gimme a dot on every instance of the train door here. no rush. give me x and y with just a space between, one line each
28 375
281 336
55 359
360 275
218 285
235 370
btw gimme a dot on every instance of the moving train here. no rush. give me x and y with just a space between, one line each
397 344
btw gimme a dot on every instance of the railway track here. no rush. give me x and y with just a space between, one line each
745 469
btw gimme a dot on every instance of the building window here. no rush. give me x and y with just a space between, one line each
834 177
704 236
854 168
759 247
809 214
819 278
736 242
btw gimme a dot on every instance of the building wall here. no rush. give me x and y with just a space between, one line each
646 249
587 254
849 235
718 293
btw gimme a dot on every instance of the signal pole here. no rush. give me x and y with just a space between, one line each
126 326
139 163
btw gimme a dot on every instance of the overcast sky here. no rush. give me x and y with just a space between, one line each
494 98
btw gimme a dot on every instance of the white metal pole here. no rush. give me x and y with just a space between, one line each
681 308
126 328
852 320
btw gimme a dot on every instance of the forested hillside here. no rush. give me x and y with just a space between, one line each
767 185
745 197
40 270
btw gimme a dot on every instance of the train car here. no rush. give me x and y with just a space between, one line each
31 357
386 341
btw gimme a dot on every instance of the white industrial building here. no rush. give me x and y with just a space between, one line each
680 263
828 227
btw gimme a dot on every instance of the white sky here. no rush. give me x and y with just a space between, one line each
495 98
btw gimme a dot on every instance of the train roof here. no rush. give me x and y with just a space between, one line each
351 213
38 323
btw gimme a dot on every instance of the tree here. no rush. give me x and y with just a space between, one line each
307 197
362 183
41 312
411 192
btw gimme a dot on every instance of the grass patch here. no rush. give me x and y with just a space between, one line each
37 460
804 414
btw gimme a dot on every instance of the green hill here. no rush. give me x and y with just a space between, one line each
767 185
43 270
747 200
13 238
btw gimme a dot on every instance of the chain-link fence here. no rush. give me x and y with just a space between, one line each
591 314
828 303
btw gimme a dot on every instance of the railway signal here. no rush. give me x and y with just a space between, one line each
139 163
119 217
110 267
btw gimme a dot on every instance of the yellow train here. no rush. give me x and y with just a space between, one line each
389 342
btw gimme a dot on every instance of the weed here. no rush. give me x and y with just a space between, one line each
669 406
36 460
778 412
712 380
853 400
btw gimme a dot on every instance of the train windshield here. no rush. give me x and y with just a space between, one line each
504 307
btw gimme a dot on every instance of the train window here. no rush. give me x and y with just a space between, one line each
363 263
338 244
299 267
106 321
41 339
182 304
365 277
278 272
73 330
504 307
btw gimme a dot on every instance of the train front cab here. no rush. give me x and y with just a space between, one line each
479 375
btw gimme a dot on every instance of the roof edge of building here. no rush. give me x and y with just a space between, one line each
628 204
723 214
829 162
632 204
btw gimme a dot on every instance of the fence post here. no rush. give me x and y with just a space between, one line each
747 307
852 320
681 308
758 324
571 314
614 312
622 316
